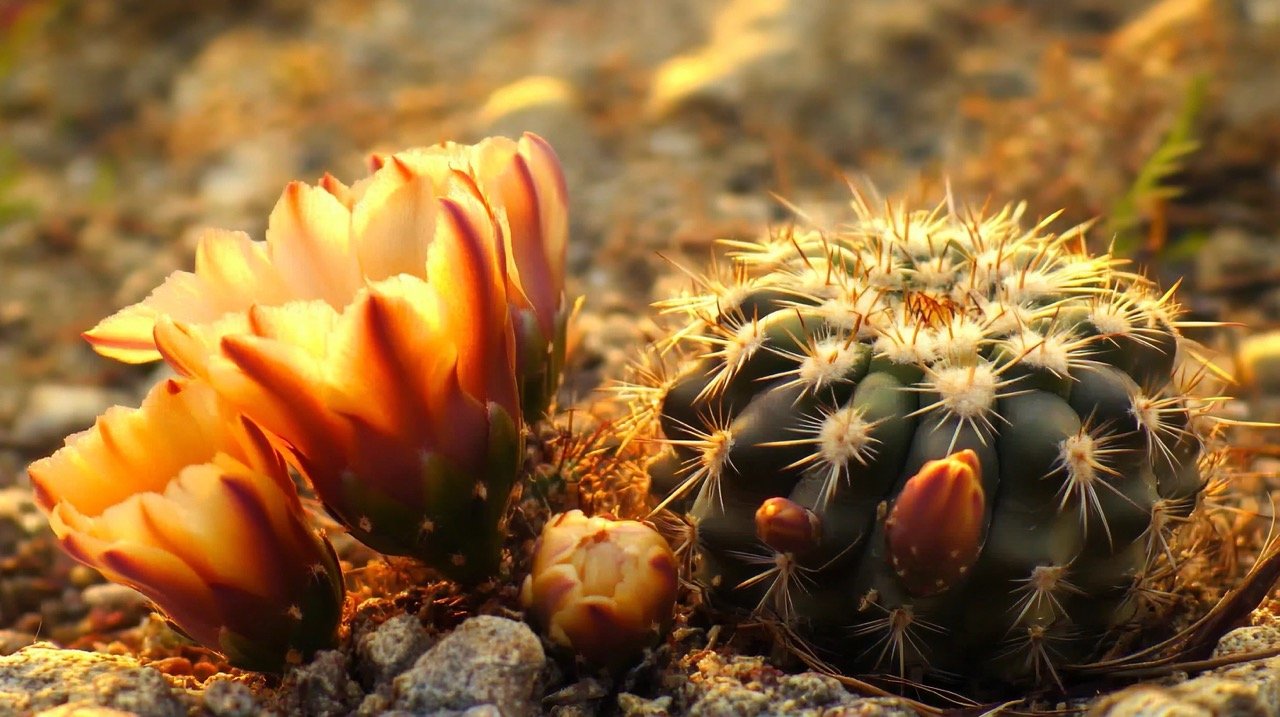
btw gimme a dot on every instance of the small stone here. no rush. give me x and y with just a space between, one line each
322 687
630 705
110 596
53 411
13 640
1244 640
390 649
81 710
42 677
486 661
226 698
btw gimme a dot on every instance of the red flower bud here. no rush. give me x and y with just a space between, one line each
934 530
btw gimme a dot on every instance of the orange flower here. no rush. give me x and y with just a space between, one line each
603 588
326 242
401 408
188 503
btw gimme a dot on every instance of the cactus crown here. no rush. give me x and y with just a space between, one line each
970 424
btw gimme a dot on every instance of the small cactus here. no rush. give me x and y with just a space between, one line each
603 588
928 442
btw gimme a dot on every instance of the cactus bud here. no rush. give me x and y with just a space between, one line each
787 526
934 530
603 588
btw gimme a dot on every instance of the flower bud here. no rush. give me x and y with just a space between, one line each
188 503
787 526
934 530
600 587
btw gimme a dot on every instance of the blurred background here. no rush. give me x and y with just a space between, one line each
126 126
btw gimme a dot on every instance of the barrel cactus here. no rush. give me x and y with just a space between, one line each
930 442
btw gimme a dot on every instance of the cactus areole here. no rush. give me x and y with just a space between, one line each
929 443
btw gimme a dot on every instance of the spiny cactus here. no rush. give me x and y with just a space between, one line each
930 442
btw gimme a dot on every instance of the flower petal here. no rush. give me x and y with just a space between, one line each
464 266
309 236
393 223
281 386
236 272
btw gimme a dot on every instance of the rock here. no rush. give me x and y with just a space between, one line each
83 711
225 698
42 677
322 687
53 411
390 649
630 705
20 519
749 686
486 661
110 596
1251 638
1250 688
13 640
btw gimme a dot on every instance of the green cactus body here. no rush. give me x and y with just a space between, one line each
841 366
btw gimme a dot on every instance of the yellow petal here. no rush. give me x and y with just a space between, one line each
126 335
148 568
282 387
305 324
236 272
553 200
466 267
188 347
387 351
308 233
393 223
132 450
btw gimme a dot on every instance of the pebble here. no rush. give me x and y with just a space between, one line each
486 661
111 596
390 649
54 411
322 687
1251 638
42 677
226 698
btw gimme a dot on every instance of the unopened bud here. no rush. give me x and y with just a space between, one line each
602 588
934 529
787 526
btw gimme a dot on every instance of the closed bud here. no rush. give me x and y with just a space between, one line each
934 530
787 526
600 587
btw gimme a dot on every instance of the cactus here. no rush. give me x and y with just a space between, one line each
929 443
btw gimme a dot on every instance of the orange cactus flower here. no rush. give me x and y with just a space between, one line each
188 503
326 242
934 530
601 587
401 408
